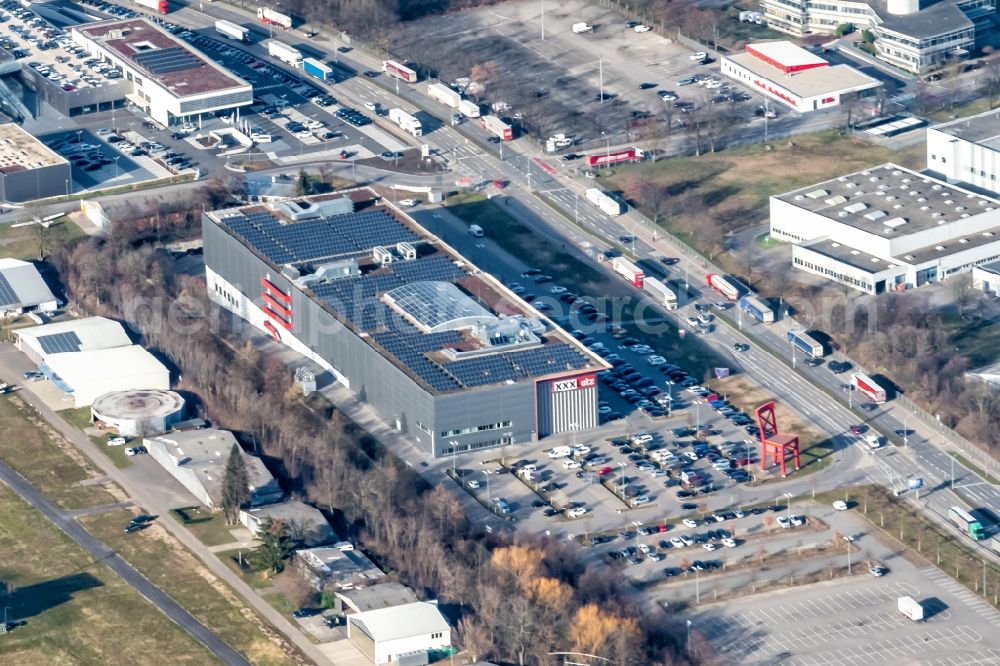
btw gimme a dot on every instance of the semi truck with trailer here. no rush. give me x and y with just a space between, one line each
629 271
618 157
911 608
757 309
406 122
606 203
468 108
723 285
284 53
964 521
444 94
806 343
158 6
317 69
399 71
268 16
232 31
495 125
867 385
663 294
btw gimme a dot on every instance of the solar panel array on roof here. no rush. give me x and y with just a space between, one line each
408 345
513 366
166 60
60 342
7 295
325 237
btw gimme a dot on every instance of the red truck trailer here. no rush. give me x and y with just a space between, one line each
866 385
723 285
617 157
398 70
495 125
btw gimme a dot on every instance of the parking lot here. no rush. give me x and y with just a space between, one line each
558 82
856 621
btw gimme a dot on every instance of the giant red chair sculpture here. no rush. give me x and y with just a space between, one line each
773 441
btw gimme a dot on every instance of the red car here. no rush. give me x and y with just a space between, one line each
604 471
857 430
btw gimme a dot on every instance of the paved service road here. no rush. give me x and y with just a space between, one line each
100 551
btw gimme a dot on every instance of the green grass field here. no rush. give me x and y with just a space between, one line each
175 570
77 611
42 456
209 527
25 242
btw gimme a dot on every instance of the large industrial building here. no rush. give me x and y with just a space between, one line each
967 151
795 77
89 357
399 634
887 228
912 35
28 168
445 353
166 78
22 289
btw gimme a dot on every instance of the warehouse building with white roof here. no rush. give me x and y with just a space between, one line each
795 77
401 634
22 289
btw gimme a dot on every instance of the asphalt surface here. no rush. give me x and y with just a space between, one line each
100 552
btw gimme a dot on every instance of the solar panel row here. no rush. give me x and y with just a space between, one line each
326 237
166 60
7 295
60 342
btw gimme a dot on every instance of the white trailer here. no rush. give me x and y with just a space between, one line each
271 17
663 294
406 122
468 108
911 608
284 53
444 94
629 271
609 205
233 31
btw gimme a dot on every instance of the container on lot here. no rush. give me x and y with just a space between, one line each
399 71
317 69
284 53
965 522
406 122
806 343
757 309
444 94
271 17
866 385
911 608
628 270
663 294
495 125
232 31
723 285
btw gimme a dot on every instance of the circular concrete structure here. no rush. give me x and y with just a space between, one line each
138 412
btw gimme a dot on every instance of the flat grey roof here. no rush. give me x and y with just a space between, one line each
982 129
889 201
941 19
848 255
809 82
992 267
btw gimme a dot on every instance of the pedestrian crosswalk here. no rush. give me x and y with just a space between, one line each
977 605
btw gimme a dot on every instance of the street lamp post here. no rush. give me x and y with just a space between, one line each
688 649
788 506
486 473
574 427
454 450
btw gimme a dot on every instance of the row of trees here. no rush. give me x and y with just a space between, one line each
519 601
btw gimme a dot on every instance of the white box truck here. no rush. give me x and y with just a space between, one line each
444 94
284 53
468 108
911 608
580 28
406 122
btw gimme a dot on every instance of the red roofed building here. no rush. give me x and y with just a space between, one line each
797 78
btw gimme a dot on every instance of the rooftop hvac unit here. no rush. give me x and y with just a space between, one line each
406 251
382 255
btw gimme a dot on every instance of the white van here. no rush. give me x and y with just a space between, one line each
476 230
874 441
560 452
580 28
